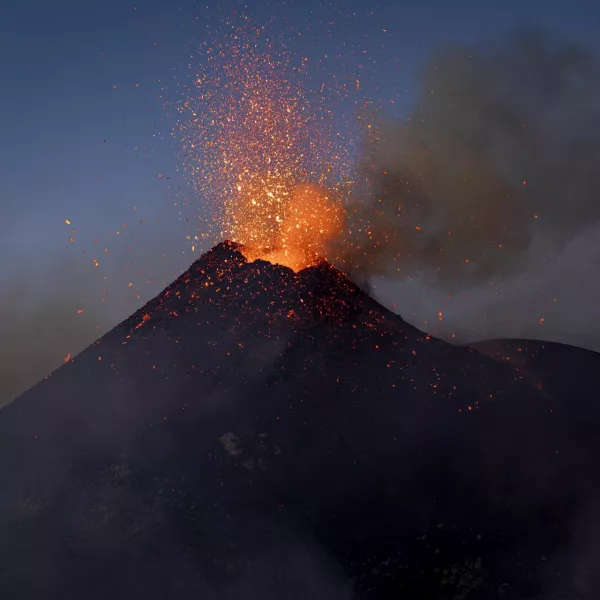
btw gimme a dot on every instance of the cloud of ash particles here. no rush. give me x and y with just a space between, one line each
492 182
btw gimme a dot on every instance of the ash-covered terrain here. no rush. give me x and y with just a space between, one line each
258 433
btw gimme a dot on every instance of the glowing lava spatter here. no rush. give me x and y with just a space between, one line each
262 154
312 219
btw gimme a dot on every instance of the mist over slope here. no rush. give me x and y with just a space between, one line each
261 432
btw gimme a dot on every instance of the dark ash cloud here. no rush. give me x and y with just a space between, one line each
502 148
492 181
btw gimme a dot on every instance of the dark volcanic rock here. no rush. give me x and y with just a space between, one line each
255 433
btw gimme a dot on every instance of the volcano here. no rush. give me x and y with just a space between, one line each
254 432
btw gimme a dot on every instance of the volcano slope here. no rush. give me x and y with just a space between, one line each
256 433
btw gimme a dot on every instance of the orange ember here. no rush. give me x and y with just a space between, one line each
306 224
263 154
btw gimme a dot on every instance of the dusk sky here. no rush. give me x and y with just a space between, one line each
86 138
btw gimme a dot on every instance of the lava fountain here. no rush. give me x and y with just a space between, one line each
262 152
312 220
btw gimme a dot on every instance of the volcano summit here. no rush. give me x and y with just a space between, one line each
258 433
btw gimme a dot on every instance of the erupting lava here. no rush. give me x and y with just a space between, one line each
262 154
312 219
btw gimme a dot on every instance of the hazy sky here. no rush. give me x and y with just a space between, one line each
85 138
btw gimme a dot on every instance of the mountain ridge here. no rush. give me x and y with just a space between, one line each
254 431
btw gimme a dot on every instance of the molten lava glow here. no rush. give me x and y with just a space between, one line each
261 153
312 218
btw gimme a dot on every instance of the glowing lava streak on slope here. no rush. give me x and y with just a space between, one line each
262 154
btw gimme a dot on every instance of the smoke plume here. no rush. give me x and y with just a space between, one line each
490 180
500 155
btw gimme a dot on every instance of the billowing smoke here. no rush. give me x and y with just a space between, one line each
494 174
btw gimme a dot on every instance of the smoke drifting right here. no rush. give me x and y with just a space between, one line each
492 182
